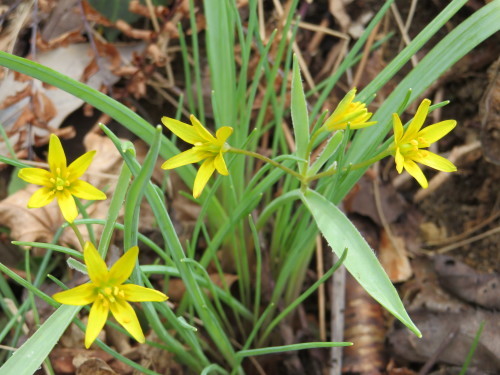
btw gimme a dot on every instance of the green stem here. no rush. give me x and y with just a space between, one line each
362 164
267 160
78 234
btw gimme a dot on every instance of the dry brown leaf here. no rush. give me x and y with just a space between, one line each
92 366
393 257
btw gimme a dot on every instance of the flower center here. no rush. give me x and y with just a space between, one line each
110 294
60 180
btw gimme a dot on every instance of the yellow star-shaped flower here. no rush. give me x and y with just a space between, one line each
408 145
62 181
106 292
348 112
205 147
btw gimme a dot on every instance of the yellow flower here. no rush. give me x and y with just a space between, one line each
348 112
107 292
408 144
206 147
62 181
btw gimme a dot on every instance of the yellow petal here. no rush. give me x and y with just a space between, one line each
417 122
136 293
399 161
57 158
41 197
437 131
413 169
123 267
80 165
398 128
435 161
220 164
67 205
184 131
84 190
96 267
201 130
223 134
36 176
97 318
125 315
192 155
206 170
79 296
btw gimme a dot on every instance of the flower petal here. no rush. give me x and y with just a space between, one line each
41 197
57 157
184 131
223 134
97 318
96 267
78 296
125 315
123 267
398 128
206 170
400 160
36 176
417 122
435 161
413 169
193 155
67 205
84 190
80 165
220 164
437 131
201 130
136 293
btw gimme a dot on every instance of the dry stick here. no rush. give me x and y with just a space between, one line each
337 316
404 34
409 19
366 53
488 233
455 154
152 15
467 233
321 289
262 21
302 63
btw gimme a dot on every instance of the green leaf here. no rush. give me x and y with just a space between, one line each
361 261
300 118
27 359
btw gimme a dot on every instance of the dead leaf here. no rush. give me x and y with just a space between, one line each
468 284
460 330
394 258
92 366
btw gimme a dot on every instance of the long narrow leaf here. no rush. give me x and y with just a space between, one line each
361 261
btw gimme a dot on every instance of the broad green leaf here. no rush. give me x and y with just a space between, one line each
361 261
27 359
299 113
